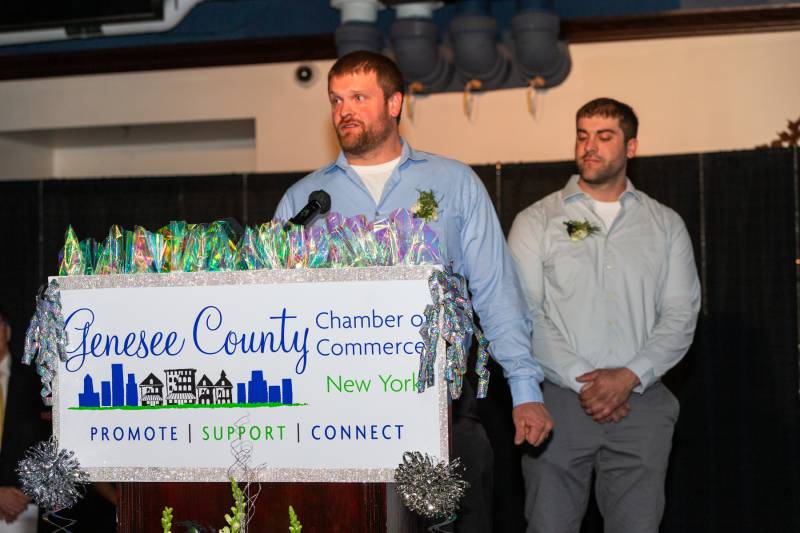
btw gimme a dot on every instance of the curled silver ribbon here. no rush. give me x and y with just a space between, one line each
451 318
242 452
46 339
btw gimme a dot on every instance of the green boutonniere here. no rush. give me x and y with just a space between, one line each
578 231
426 206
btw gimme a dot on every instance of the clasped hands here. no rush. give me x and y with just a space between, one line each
604 395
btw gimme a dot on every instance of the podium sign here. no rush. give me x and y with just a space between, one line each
311 372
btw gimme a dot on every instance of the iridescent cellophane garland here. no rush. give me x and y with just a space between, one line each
46 339
399 239
450 317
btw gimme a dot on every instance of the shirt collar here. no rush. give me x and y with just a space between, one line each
406 153
572 190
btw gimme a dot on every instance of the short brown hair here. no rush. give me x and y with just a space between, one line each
386 71
608 107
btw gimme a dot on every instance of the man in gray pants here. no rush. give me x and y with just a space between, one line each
613 293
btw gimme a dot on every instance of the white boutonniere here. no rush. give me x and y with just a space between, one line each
578 231
426 206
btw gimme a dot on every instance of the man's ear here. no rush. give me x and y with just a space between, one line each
395 104
631 146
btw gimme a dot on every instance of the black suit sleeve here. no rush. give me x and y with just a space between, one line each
23 425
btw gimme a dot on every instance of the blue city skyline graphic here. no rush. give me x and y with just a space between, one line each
180 387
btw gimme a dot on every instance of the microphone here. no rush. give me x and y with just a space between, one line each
319 203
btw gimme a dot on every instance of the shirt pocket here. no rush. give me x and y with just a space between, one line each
562 273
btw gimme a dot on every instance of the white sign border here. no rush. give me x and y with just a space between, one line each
250 277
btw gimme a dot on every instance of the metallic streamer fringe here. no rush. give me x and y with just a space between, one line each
451 318
46 339
430 489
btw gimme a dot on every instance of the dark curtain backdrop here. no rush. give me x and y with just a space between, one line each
734 465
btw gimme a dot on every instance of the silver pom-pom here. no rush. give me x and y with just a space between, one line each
428 488
51 477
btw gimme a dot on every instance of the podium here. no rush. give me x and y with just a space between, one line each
324 507
302 383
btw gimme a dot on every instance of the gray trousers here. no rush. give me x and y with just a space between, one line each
629 459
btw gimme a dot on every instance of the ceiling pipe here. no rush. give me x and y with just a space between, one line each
358 30
174 12
416 49
541 59
475 51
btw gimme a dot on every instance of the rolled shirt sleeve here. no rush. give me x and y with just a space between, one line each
497 296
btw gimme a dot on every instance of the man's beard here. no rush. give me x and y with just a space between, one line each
605 174
366 140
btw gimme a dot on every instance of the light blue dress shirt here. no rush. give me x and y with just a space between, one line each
470 237
627 296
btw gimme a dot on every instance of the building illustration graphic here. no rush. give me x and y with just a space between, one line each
259 392
218 393
205 392
223 390
180 387
89 398
151 391
257 388
112 393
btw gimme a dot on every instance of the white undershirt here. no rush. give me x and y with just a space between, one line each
376 176
607 211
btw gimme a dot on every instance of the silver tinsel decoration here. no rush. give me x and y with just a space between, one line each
51 477
451 317
430 489
46 339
